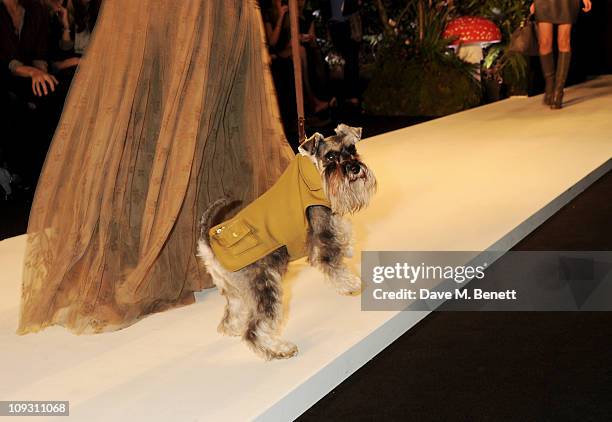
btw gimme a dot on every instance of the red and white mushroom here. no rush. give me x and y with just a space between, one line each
472 34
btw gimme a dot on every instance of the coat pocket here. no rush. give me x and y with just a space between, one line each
236 236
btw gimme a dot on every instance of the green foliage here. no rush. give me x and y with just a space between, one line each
417 73
432 46
507 14
515 65
415 40
421 88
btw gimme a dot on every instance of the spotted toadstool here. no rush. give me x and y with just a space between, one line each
471 34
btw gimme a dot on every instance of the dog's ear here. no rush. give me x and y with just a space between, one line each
311 145
352 133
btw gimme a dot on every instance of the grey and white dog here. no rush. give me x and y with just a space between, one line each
254 293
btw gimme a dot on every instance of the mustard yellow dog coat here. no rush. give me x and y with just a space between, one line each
277 218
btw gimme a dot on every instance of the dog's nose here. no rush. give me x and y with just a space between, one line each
353 167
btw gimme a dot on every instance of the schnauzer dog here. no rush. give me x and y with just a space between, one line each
300 215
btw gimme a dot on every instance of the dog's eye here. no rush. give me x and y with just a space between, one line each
330 156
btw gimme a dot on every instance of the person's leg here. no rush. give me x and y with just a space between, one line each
351 70
564 33
336 34
316 104
39 117
563 63
340 36
318 71
22 149
545 38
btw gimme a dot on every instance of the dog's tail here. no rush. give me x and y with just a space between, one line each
207 217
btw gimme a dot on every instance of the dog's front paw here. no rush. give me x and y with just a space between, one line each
281 350
349 286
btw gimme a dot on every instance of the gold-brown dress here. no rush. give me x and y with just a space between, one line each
172 107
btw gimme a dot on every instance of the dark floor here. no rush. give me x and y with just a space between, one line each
496 366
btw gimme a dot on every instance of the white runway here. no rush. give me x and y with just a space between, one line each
477 180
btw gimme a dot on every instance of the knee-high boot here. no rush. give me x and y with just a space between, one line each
548 70
563 64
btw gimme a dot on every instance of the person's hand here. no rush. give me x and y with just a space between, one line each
40 80
532 9
587 5
284 10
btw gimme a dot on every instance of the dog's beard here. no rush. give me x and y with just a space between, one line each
348 193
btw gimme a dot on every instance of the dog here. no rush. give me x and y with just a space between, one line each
300 215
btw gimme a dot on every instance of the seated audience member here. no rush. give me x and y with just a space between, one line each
278 32
85 17
62 56
71 24
23 48
344 27
27 85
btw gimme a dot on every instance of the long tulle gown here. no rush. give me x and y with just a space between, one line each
172 107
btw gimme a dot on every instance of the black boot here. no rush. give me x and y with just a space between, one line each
563 64
548 70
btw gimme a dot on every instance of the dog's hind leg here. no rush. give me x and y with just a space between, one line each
266 308
236 316
329 241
